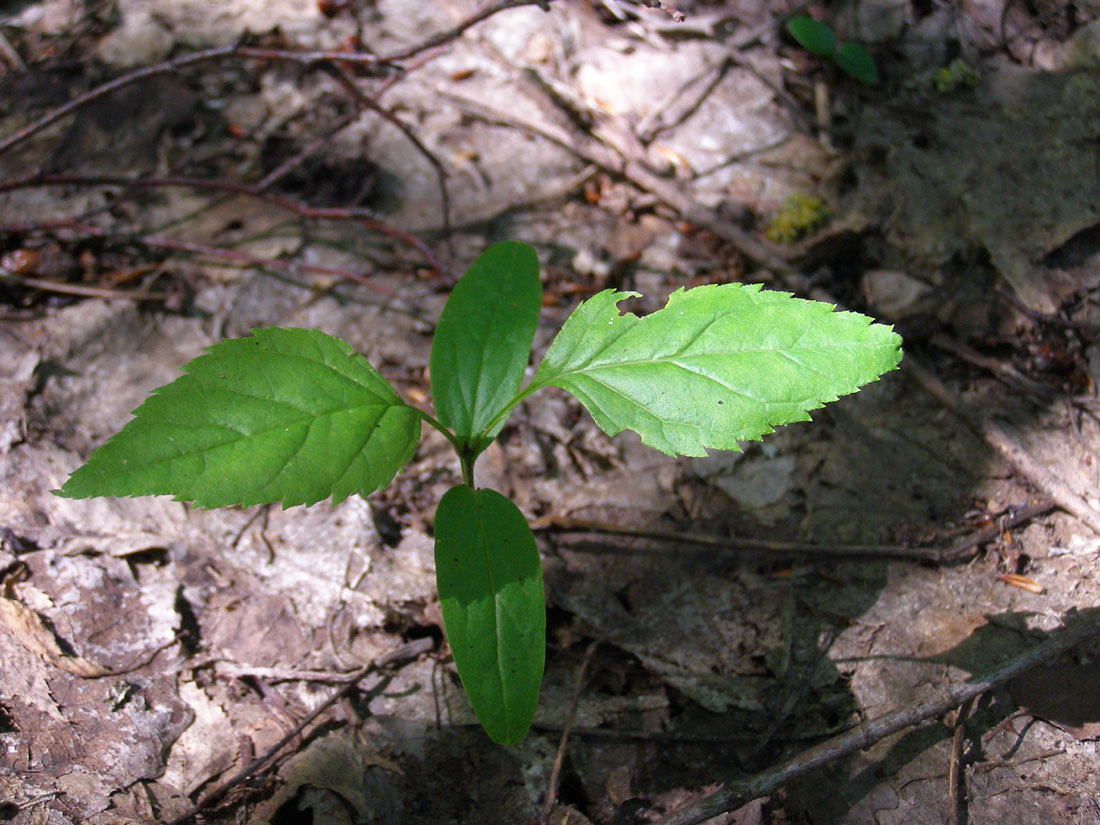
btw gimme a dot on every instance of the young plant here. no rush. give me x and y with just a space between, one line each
296 416
818 38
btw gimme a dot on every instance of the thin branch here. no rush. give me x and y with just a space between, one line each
981 425
300 157
406 651
737 793
155 242
175 65
342 77
559 757
956 777
304 210
874 551
592 150
457 30
236 51
83 290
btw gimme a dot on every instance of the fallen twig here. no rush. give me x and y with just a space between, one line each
300 157
409 650
993 435
341 76
956 778
333 213
933 555
83 290
737 793
236 51
156 242
591 150
455 31
175 65
559 757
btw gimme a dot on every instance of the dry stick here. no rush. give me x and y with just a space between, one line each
236 51
795 696
737 793
955 776
454 32
296 160
82 290
287 166
648 128
879 551
409 650
982 426
175 65
571 717
361 216
155 242
342 77
244 52
591 150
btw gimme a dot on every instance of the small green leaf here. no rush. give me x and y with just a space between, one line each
812 35
857 62
490 591
483 340
719 364
287 415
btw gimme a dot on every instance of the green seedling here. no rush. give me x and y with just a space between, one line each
296 416
818 38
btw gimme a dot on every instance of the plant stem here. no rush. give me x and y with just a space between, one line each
467 459
466 455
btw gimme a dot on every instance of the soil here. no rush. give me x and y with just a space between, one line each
335 166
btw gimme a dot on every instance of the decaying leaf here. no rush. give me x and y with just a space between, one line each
1066 695
35 634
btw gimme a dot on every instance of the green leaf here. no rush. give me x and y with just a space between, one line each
287 415
490 591
812 35
857 62
484 337
719 364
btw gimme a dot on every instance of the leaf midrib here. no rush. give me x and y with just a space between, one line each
260 433
670 359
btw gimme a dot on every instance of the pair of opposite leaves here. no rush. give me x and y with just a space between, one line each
296 416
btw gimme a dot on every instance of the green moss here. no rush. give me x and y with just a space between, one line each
947 79
955 74
798 216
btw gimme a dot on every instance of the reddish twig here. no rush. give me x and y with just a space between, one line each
341 76
178 64
293 162
457 30
235 51
361 216
156 242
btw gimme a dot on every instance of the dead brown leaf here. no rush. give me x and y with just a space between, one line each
1066 695
35 634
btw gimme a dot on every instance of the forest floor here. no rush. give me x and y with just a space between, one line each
259 162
